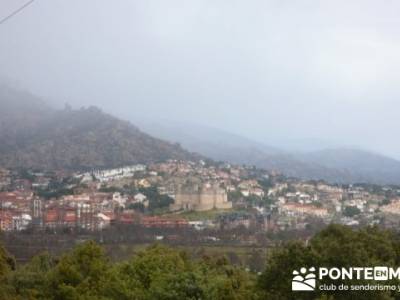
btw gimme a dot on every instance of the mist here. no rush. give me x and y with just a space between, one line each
273 71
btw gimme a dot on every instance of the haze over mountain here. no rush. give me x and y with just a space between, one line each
337 165
33 134
267 70
211 142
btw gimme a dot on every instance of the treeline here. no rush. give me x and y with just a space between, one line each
335 246
161 272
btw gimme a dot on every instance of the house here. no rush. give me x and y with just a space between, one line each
6 221
248 184
304 209
391 208
103 221
21 222
257 192
139 198
111 174
245 192
50 218
198 225
144 183
119 199
69 218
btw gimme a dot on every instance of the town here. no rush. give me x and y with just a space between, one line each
196 195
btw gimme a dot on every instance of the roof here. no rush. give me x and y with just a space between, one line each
51 216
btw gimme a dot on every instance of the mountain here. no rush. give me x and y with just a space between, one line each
335 165
357 165
34 135
211 142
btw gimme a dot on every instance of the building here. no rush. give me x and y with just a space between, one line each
392 208
103 221
200 198
21 222
304 209
111 174
6 221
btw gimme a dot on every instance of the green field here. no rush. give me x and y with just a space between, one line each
200 215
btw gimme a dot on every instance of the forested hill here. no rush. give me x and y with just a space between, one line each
36 136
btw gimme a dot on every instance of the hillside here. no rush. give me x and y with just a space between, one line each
211 142
356 165
34 135
335 165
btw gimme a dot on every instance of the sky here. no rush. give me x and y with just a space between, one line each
273 71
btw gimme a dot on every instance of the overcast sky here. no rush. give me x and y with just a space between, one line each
268 70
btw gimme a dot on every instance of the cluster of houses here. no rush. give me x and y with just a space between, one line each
111 174
16 210
91 211
246 198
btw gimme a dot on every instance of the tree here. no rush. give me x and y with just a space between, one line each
335 246
275 281
351 211
156 200
164 273
159 272
30 281
7 264
81 274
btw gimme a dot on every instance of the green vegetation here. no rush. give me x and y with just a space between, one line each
265 183
336 246
160 272
351 211
200 215
238 255
110 189
58 188
235 196
82 139
54 193
125 190
156 200
25 174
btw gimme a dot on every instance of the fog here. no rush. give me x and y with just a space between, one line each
274 71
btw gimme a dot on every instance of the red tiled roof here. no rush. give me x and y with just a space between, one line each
51 216
162 222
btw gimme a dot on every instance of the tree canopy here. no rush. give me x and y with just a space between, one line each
336 246
161 272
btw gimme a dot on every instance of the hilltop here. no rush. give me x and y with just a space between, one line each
34 135
333 163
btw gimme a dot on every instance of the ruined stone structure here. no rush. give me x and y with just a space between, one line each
200 198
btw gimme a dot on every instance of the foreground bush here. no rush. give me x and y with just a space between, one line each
335 246
156 273
160 272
